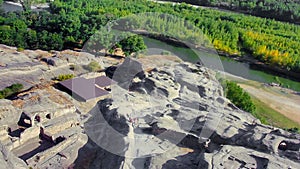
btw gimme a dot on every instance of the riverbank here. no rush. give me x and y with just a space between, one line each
275 106
258 65
9 6
253 63
229 64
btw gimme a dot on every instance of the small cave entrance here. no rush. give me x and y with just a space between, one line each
25 121
37 119
282 146
48 116
285 145
59 139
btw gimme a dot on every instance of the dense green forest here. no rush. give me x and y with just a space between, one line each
283 10
70 23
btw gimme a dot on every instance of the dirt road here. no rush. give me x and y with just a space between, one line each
286 103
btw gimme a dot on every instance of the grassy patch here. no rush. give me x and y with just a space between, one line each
13 89
63 77
271 117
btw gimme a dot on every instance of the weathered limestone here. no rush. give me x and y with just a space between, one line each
44 156
54 128
182 110
240 157
28 134
9 160
58 124
171 117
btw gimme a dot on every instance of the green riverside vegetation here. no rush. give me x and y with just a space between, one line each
132 44
257 108
70 24
238 96
271 117
287 10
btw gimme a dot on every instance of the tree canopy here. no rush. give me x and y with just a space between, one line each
69 24
238 96
287 10
132 44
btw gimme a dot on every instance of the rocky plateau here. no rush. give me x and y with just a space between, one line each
173 116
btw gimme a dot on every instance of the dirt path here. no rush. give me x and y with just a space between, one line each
287 104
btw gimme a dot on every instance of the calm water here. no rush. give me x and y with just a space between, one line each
8 7
12 7
218 62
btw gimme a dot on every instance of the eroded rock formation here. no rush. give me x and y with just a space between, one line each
177 117
170 116
42 128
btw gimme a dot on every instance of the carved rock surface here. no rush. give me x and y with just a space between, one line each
177 117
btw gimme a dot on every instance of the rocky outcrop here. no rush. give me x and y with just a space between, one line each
42 127
9 160
31 67
177 117
169 116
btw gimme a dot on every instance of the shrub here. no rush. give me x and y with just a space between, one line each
277 80
16 87
293 130
65 77
20 49
132 44
8 91
94 66
238 96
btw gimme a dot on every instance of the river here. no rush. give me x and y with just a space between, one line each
228 65
8 6
221 63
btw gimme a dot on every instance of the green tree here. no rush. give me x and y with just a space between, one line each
26 4
132 44
102 39
55 41
239 97
32 39
6 35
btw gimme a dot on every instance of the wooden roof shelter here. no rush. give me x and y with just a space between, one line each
87 89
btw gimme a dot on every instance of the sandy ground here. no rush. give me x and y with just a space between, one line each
284 101
287 104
